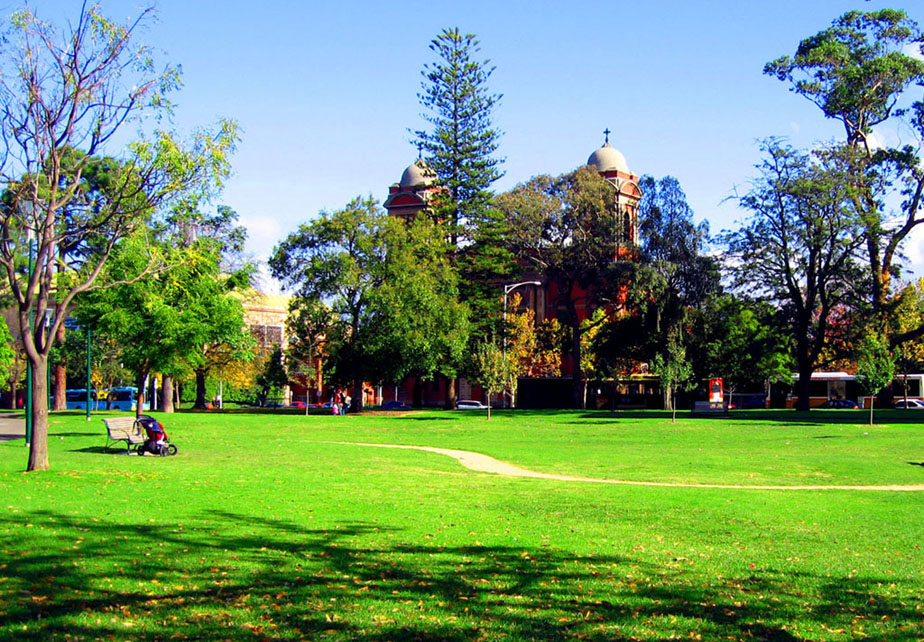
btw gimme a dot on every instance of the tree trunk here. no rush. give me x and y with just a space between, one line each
166 394
667 397
60 402
38 449
805 365
451 396
872 402
577 376
60 398
489 406
805 386
201 403
13 391
356 404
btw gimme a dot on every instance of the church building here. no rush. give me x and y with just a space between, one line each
418 185
413 194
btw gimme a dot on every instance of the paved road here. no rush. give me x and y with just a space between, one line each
12 426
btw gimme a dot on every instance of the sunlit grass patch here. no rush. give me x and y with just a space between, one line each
267 527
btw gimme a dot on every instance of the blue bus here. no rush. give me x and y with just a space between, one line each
77 399
111 399
124 399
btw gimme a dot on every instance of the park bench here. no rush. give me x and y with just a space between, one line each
123 429
709 408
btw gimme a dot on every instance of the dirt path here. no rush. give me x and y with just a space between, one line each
485 464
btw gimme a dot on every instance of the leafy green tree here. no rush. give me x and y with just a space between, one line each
675 371
180 319
274 377
73 91
908 315
460 146
743 342
858 71
391 291
565 229
677 275
418 327
7 351
797 249
307 325
875 367
210 267
494 370
339 259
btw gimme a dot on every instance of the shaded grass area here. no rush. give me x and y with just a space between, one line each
263 529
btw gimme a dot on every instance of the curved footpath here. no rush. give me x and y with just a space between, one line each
12 426
485 464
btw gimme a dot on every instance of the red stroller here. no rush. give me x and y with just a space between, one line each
157 442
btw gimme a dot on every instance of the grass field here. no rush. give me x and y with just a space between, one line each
269 527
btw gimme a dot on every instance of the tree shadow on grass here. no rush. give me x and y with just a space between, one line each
233 577
103 450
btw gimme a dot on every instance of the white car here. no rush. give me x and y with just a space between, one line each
911 404
470 404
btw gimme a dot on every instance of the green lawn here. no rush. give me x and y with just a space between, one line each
265 528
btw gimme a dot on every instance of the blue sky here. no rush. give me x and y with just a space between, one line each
326 92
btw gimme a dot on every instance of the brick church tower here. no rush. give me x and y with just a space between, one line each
611 165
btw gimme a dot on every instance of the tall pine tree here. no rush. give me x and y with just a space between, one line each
460 146
459 150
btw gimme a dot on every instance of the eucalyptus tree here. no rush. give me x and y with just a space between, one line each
798 249
67 100
864 71
676 275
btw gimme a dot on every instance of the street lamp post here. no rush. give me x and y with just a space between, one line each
49 322
29 404
507 290
89 354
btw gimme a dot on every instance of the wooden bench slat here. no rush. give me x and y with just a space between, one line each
123 429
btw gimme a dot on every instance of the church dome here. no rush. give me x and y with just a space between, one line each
417 175
607 159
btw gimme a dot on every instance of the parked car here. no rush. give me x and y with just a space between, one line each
911 404
845 404
298 404
394 404
469 404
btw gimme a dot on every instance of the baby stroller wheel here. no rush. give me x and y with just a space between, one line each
171 449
